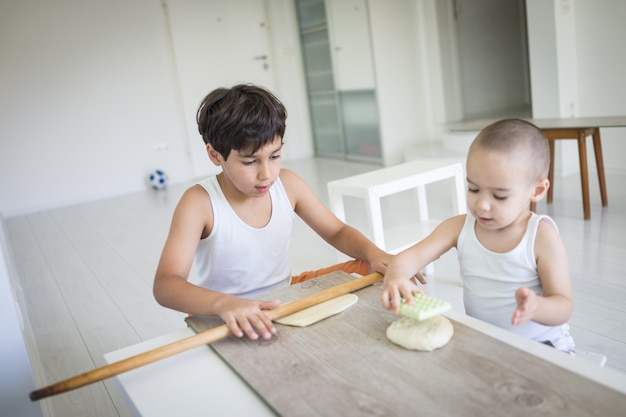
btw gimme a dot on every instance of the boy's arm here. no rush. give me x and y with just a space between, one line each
193 219
398 282
344 238
555 306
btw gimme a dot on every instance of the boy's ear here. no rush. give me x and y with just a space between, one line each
214 155
541 188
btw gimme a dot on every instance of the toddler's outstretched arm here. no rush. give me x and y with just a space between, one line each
398 282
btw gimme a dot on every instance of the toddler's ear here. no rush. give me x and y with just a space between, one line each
540 189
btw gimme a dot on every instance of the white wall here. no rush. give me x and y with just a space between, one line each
90 93
400 61
601 71
289 74
394 42
89 90
87 93
577 61
543 58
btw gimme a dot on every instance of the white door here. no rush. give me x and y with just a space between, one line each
216 43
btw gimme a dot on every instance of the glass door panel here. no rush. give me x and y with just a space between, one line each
317 63
326 123
359 110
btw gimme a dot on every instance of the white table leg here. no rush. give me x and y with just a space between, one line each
375 218
335 199
422 203
460 203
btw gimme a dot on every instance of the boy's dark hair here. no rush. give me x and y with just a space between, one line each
520 136
244 117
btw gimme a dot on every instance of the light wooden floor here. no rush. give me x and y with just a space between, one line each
86 274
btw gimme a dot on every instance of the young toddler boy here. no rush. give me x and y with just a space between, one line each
514 266
236 226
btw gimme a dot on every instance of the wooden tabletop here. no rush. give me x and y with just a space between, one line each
345 365
547 124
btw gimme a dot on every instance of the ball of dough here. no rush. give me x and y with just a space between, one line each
425 335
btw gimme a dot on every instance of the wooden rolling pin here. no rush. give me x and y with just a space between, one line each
203 338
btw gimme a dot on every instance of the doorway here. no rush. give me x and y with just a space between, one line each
485 43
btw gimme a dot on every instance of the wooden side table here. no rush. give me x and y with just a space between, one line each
580 135
374 185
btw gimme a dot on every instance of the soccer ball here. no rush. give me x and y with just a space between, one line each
157 179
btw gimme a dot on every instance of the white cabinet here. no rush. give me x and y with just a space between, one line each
369 71
341 88
348 26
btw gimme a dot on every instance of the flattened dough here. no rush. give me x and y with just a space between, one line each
318 312
425 335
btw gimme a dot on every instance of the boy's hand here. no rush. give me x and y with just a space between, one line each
244 316
526 306
395 288
380 263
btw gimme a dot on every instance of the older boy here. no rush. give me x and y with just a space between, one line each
237 225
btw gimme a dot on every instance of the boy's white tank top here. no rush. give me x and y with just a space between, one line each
239 259
490 280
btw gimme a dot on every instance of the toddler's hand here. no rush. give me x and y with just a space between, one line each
526 306
244 316
396 288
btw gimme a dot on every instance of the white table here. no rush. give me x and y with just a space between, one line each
199 383
374 185
193 383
